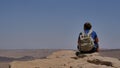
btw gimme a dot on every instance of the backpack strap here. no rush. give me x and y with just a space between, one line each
89 34
90 31
83 33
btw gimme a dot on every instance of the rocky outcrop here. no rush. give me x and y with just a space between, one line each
68 59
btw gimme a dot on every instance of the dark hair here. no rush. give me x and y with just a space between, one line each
87 26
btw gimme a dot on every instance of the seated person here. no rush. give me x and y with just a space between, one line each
88 40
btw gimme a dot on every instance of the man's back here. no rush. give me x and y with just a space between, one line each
87 29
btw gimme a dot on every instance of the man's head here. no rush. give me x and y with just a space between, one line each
87 26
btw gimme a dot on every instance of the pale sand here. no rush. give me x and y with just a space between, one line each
68 59
40 53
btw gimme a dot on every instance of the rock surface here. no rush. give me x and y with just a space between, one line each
68 59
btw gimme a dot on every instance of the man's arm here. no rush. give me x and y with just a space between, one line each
96 40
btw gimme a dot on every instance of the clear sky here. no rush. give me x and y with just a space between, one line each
56 24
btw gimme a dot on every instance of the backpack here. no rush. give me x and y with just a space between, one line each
86 41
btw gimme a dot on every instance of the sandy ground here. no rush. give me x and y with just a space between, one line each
68 59
40 53
4 65
7 56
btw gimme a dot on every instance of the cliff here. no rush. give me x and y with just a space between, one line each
68 59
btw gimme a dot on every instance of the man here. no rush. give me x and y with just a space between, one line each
85 45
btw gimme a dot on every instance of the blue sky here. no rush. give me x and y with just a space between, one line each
56 24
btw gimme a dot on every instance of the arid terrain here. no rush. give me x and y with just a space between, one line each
8 56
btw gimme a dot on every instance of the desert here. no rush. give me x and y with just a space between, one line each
59 58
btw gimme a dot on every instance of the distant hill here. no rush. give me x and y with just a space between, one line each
9 59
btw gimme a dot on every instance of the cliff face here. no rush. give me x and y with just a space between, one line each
67 59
